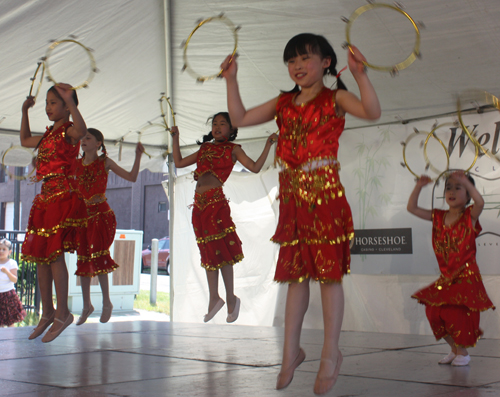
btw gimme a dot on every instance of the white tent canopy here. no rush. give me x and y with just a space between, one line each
137 47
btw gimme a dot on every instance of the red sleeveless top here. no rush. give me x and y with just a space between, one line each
216 159
56 156
91 180
309 131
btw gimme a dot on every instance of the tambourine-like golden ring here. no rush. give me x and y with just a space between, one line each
6 166
393 69
427 162
163 98
93 68
40 68
148 126
220 18
492 101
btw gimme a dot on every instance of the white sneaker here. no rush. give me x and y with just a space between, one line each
447 359
461 361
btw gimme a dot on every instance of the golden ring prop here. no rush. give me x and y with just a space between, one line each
492 101
219 18
40 68
393 69
417 133
150 125
163 99
427 160
18 149
93 68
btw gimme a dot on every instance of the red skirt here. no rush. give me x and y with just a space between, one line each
93 254
56 218
11 309
314 226
215 231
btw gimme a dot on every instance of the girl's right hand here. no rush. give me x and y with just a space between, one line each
423 180
28 103
139 149
229 66
3 269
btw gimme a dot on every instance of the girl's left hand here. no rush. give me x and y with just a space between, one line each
66 91
273 138
139 149
459 176
355 60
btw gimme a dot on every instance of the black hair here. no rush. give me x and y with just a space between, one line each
309 42
471 180
56 93
208 137
100 138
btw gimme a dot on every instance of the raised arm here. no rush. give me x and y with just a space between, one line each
240 117
79 129
412 206
127 175
368 107
25 133
474 194
247 162
179 161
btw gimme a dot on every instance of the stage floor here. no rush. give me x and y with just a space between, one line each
147 358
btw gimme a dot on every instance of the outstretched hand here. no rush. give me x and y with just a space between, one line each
229 66
174 131
355 60
423 180
139 149
66 92
273 138
28 103
459 176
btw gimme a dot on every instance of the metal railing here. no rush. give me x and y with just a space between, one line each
26 286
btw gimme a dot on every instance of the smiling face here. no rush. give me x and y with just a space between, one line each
307 69
55 107
456 194
90 144
221 129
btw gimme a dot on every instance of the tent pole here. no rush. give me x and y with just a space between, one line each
171 171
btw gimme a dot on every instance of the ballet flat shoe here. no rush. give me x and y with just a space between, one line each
232 317
42 327
106 313
214 311
51 335
461 361
324 385
447 359
85 314
285 377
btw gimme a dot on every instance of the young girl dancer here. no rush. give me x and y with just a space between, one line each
219 245
91 178
453 302
315 225
11 308
57 212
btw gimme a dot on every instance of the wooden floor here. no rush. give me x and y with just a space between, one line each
149 358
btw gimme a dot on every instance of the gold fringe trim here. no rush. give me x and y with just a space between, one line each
214 237
237 258
66 224
98 272
340 239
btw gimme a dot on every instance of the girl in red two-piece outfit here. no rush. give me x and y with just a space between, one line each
219 245
315 224
58 212
91 179
453 302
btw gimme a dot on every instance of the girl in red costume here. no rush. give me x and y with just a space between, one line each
453 302
91 179
315 224
57 213
219 245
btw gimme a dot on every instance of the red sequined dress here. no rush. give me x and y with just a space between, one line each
460 283
93 254
315 221
214 229
58 213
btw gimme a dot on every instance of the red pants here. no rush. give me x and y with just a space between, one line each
459 322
